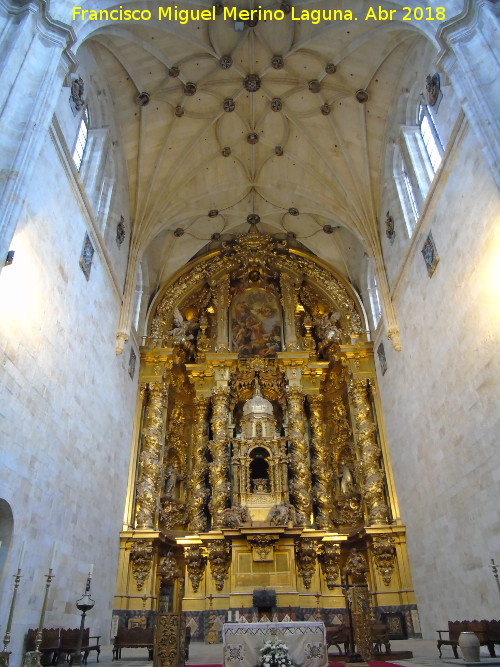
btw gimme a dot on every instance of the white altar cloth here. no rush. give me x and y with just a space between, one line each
306 642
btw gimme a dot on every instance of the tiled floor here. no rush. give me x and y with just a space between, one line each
425 654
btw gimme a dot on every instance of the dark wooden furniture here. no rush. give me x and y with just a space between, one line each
69 642
187 641
133 638
49 648
488 633
380 637
337 635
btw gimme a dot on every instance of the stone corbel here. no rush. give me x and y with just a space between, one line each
219 556
305 552
384 555
196 562
141 560
329 559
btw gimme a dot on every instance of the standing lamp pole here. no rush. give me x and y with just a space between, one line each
32 658
5 654
84 604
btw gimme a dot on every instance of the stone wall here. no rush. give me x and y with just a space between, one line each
440 395
67 405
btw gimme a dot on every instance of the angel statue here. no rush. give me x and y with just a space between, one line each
327 328
183 329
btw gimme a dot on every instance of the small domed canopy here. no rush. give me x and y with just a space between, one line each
257 405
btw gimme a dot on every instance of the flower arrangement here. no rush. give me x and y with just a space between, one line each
274 653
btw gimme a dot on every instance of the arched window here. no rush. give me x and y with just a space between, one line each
81 139
430 135
375 307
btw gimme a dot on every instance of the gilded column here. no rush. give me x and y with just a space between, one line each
369 453
300 486
221 293
219 448
150 468
321 467
198 492
289 302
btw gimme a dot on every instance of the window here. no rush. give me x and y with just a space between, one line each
374 296
430 136
410 191
81 139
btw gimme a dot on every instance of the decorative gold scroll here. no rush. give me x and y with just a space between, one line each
384 555
219 555
329 559
305 553
141 560
196 562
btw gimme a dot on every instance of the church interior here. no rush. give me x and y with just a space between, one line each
250 316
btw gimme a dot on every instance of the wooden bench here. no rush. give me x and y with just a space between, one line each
49 648
488 633
133 638
69 642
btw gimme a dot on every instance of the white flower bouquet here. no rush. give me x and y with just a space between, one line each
274 653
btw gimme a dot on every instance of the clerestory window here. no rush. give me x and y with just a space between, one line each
81 139
430 135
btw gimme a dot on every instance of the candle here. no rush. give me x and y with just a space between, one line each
21 556
91 570
54 553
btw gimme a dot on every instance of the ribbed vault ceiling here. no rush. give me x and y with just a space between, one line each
266 121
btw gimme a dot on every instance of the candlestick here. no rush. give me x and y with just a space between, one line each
494 568
53 557
33 657
21 556
5 654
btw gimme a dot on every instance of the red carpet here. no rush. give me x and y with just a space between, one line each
372 663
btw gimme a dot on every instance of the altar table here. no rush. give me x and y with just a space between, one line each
306 642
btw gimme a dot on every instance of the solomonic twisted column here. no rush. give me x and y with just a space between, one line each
300 485
198 492
219 448
320 465
373 476
150 468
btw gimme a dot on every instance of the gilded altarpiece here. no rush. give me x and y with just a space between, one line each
260 462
